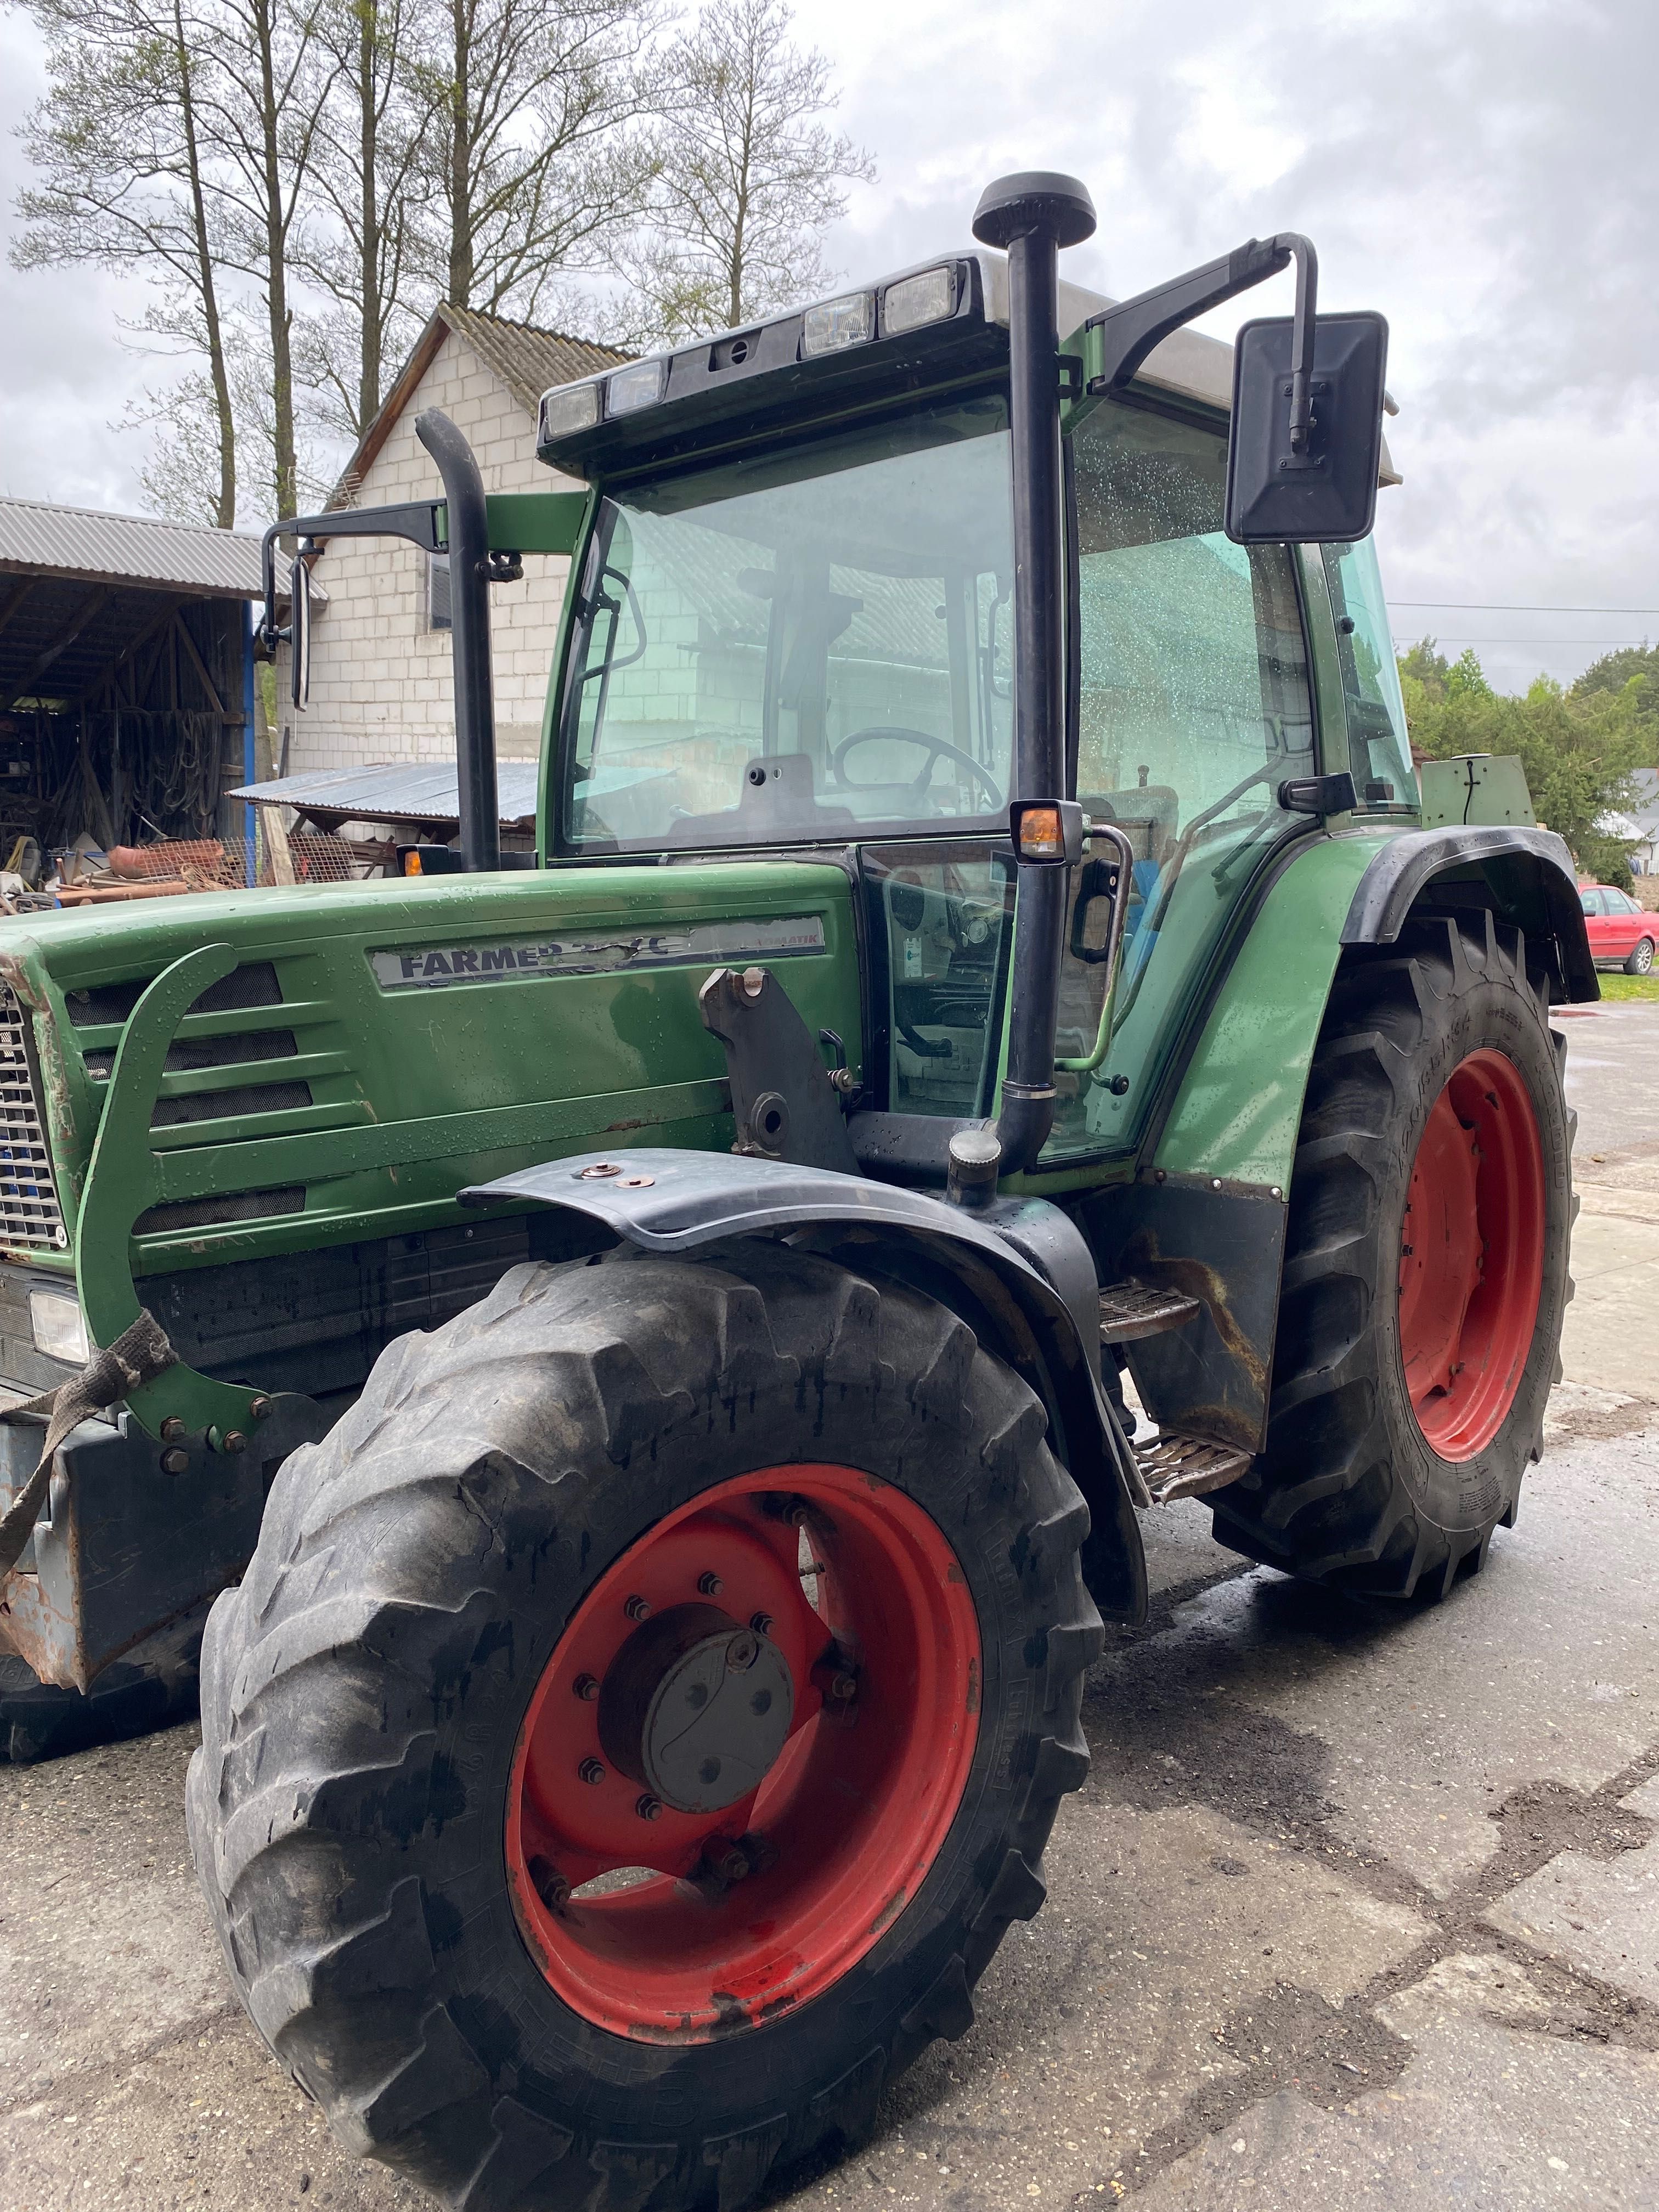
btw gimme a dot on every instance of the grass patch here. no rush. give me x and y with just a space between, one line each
1644 988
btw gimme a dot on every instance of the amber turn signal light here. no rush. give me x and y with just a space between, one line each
1041 838
1047 833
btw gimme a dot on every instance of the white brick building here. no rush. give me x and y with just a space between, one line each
381 680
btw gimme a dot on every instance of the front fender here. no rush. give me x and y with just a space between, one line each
1026 1283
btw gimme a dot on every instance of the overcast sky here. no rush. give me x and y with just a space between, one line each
1482 171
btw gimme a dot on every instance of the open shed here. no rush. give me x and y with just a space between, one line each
126 677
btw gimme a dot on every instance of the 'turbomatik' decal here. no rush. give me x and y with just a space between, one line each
580 953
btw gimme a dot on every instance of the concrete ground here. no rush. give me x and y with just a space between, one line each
1358 1906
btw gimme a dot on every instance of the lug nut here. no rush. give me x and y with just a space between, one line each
760 1623
710 1584
552 1887
843 1687
799 1514
728 1860
587 1687
174 1462
638 1608
742 1652
592 1771
172 1429
648 1807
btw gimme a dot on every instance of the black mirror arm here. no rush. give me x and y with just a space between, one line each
417 520
1301 334
1130 331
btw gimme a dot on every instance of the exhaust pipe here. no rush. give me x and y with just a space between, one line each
1031 215
468 615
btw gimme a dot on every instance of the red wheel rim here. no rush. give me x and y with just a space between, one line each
767 1900
1472 1255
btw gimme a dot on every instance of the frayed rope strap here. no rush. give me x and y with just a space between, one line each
139 1354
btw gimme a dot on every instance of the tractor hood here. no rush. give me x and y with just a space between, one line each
373 1048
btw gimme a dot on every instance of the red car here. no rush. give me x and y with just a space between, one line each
1620 933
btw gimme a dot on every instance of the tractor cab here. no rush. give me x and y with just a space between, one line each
793 629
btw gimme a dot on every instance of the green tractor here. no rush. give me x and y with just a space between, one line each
637 1341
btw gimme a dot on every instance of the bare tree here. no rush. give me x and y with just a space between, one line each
535 103
747 180
176 476
261 110
373 244
118 141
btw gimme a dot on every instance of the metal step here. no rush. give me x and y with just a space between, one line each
1174 1466
1130 1310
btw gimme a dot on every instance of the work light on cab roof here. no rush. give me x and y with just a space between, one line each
809 340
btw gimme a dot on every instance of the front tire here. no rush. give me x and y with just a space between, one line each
1425 1271
395 1797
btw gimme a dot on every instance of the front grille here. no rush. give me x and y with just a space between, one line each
185 1056
253 984
29 1212
209 1212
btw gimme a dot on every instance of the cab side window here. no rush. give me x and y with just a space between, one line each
1378 748
1194 707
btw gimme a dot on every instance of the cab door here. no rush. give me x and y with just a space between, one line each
1193 706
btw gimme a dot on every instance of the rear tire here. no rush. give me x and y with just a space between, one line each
418 1582
1640 962
1350 1490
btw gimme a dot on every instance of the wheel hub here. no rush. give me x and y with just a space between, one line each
1471 1256
743 1753
696 1707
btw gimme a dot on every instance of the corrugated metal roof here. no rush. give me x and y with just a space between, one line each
528 359
525 359
127 549
395 791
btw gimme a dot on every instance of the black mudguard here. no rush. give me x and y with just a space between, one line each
1526 876
1025 1270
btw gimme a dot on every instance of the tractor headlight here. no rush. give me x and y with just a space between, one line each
639 385
834 324
568 407
913 301
59 1327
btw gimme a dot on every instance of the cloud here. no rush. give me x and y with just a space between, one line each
64 374
1480 170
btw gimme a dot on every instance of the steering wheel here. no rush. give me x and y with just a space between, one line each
933 747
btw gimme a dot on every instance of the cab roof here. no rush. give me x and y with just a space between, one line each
701 379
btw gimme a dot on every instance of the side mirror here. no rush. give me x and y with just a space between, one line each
299 601
1319 488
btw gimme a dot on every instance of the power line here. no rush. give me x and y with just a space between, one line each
1506 607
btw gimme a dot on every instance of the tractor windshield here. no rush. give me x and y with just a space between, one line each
800 647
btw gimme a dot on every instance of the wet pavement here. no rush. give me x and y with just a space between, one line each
1358 1906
